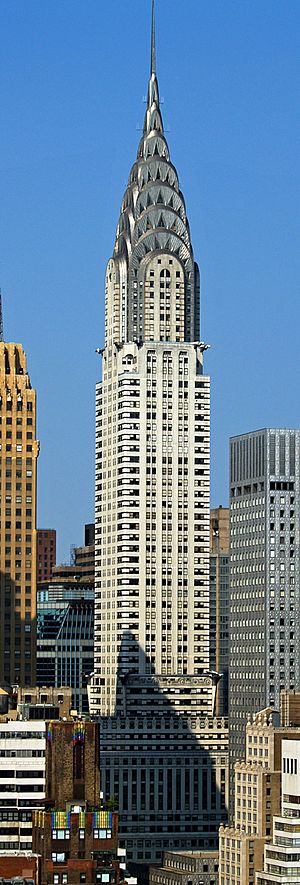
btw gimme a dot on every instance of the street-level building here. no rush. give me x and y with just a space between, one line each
22 760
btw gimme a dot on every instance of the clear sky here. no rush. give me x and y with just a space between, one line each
73 77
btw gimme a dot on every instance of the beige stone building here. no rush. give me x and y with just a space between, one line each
282 856
257 793
18 465
186 868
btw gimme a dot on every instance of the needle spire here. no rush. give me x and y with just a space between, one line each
153 48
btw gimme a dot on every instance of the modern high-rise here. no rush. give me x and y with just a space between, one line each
65 637
264 573
219 603
152 436
18 467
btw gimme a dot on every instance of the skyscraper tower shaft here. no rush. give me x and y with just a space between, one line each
152 436
18 470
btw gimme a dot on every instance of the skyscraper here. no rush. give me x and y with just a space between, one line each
152 436
164 755
18 464
264 573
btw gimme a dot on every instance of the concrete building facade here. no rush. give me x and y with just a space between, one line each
18 467
22 780
22 761
264 573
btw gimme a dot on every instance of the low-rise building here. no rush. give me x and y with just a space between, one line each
257 793
76 837
282 855
186 868
22 781
19 868
22 760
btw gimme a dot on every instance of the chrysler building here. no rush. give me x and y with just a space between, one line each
152 437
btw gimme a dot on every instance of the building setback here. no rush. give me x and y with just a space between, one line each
264 573
18 467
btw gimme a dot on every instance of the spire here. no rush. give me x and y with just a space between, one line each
153 47
1 318
153 120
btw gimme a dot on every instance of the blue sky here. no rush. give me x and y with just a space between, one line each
73 77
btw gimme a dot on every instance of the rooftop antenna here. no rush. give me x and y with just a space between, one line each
1 318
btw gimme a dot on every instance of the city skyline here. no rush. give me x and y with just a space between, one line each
58 155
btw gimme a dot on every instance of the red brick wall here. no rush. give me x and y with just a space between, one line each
28 867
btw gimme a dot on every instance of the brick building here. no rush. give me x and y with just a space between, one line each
76 837
19 867
46 554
